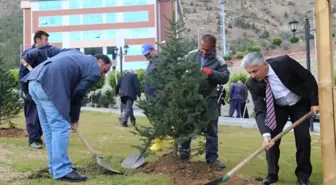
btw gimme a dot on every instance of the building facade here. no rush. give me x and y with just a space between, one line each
98 26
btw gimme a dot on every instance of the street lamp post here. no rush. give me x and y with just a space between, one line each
222 2
199 37
307 36
122 51
293 24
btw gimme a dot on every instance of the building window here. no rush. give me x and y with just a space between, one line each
111 35
55 36
93 19
75 36
134 50
93 50
141 33
50 21
109 3
111 18
49 5
136 33
135 2
93 35
75 19
74 4
141 16
92 3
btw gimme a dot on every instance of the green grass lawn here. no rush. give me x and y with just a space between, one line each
113 142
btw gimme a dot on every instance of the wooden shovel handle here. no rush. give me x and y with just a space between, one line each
85 143
26 64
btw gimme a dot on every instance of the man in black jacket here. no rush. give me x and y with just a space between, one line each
281 87
128 89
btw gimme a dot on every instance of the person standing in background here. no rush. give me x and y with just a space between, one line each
237 95
244 110
128 88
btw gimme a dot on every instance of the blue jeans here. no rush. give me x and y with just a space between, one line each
55 129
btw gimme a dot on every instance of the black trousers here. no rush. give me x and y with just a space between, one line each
302 139
246 115
33 125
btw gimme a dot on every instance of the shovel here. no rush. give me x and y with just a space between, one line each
136 160
93 154
256 153
102 163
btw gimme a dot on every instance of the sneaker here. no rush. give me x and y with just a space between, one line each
217 164
133 122
35 145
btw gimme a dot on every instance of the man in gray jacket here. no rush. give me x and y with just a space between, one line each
218 74
57 87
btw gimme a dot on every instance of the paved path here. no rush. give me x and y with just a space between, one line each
239 122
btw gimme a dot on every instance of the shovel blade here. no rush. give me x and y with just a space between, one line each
105 165
133 161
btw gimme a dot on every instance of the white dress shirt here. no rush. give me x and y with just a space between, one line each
282 95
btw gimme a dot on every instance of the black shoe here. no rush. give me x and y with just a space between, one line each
73 177
270 179
217 164
133 122
184 155
303 182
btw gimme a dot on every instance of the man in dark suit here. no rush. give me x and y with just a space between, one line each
128 88
57 87
281 87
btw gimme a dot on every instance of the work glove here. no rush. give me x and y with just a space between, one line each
207 71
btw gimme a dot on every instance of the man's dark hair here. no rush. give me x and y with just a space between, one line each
39 34
105 58
209 39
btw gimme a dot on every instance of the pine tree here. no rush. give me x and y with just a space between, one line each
177 110
10 105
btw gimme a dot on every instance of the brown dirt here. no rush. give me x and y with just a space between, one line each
191 173
12 132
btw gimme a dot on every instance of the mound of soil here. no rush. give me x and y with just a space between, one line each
12 132
191 173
